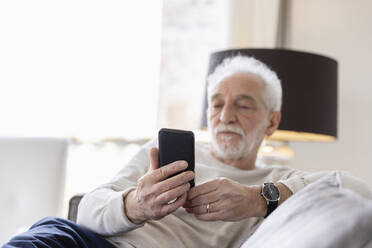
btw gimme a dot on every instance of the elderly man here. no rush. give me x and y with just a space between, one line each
232 194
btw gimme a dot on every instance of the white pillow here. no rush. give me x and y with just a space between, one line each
323 214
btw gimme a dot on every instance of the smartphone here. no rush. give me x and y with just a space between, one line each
177 145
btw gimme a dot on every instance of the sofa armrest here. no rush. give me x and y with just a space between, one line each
73 207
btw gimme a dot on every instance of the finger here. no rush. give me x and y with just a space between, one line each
204 199
210 217
187 204
203 188
170 208
174 182
172 194
168 170
154 158
202 209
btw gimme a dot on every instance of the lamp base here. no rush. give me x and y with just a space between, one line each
274 152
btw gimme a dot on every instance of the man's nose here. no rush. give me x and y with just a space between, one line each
228 115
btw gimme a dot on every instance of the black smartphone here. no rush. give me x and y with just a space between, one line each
177 145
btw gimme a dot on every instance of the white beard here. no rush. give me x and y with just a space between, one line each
225 149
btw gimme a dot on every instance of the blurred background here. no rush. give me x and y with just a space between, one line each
84 83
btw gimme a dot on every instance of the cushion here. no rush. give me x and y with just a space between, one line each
323 214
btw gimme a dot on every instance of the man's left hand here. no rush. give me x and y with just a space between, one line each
228 201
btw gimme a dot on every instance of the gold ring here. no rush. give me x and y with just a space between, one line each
208 208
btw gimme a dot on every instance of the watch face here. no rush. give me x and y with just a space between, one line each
271 192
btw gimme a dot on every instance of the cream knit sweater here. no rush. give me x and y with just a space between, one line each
102 210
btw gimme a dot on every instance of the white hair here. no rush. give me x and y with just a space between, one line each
272 96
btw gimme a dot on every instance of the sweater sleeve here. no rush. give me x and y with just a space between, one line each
102 210
297 180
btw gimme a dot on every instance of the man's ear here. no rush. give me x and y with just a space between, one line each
274 121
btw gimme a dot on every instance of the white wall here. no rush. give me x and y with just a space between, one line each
340 29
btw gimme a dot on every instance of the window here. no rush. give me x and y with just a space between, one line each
191 31
87 69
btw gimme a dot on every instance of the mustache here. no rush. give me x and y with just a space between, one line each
229 128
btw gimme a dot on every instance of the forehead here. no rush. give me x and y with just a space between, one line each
239 84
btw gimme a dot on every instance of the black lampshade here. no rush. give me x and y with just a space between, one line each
309 82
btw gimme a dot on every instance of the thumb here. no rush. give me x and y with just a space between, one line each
154 158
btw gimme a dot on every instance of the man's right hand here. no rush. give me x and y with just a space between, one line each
149 201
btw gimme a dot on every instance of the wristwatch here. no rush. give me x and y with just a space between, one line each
271 194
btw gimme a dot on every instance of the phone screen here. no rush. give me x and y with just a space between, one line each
177 145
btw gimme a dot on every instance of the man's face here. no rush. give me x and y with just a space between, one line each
237 116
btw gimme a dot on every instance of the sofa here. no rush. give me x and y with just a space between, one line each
31 181
323 215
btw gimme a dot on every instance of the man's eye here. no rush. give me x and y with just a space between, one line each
244 107
217 106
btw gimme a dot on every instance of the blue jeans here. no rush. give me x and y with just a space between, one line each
57 232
